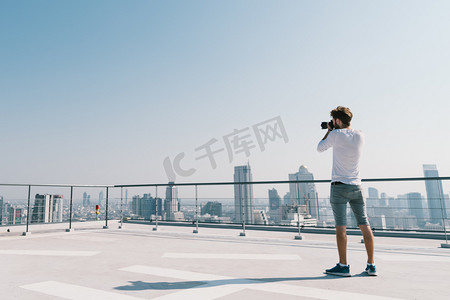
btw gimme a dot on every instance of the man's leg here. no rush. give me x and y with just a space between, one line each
368 242
341 239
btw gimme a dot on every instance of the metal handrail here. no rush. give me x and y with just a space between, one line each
279 181
222 182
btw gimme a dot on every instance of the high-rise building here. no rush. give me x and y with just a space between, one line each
5 212
146 206
171 203
243 195
415 206
274 207
212 208
47 208
58 208
304 193
373 199
435 195
15 215
260 217
287 199
86 200
100 198
274 200
373 193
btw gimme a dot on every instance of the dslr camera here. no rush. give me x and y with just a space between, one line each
324 125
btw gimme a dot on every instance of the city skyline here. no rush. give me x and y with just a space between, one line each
405 211
81 195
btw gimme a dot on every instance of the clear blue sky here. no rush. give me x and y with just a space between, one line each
101 92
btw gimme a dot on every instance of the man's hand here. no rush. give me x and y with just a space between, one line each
329 127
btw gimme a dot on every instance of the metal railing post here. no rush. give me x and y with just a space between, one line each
28 211
70 210
242 210
299 236
157 208
196 211
446 245
107 205
121 208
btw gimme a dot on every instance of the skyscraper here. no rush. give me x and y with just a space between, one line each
415 201
47 208
243 195
435 195
304 193
171 203
86 199
274 199
274 206
15 215
372 200
100 198
213 208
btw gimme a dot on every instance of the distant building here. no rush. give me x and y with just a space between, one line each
15 215
47 208
171 203
378 209
415 206
100 198
5 212
86 200
274 207
287 199
384 200
274 200
146 206
260 217
373 199
243 195
294 215
435 195
304 193
212 209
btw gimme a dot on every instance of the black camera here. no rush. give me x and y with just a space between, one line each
324 125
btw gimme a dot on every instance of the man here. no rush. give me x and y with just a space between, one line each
346 187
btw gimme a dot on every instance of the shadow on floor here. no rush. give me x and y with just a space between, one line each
181 285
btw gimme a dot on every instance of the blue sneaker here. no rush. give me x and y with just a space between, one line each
339 271
371 270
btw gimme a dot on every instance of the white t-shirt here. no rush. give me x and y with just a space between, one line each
347 147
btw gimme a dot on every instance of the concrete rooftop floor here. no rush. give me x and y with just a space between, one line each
173 263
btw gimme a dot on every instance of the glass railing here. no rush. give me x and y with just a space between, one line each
402 204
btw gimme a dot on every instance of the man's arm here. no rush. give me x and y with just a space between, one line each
326 134
325 143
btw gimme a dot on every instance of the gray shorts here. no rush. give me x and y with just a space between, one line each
340 195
